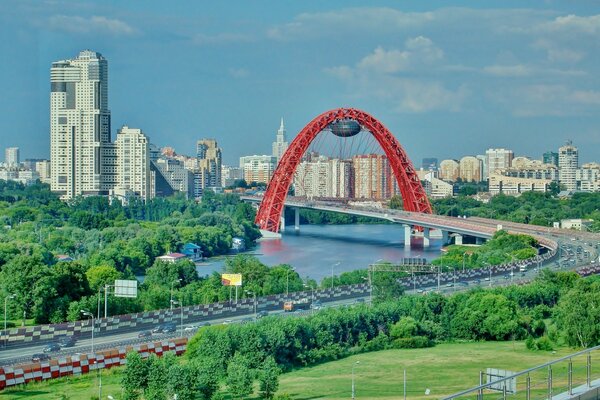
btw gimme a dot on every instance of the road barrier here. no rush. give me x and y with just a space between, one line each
84 363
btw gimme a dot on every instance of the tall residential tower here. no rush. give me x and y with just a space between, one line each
79 124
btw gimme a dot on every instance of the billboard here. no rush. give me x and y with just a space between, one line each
497 375
231 279
125 288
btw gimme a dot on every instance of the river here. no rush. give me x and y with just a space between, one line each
316 248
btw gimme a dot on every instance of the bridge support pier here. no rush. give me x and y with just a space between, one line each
458 239
296 218
282 222
426 237
407 235
444 238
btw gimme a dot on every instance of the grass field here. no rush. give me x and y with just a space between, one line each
444 369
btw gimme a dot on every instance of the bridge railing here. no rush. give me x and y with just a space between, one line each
569 376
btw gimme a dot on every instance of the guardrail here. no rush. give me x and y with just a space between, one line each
570 376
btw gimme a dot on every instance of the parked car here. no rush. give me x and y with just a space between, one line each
144 334
38 357
51 348
67 341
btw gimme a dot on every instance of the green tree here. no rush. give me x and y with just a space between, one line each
239 376
100 275
181 382
268 378
578 314
135 376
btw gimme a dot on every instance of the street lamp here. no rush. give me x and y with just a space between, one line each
287 281
180 304
10 296
254 298
173 283
333 265
353 391
89 314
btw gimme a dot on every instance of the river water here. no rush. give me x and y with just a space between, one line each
316 248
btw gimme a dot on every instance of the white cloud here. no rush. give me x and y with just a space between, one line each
551 100
380 75
94 24
238 73
572 24
220 38
340 22
508 70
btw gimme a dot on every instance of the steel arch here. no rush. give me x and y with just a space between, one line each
413 194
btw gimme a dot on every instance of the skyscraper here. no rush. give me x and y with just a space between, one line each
568 162
373 178
498 159
280 145
550 157
11 157
79 124
470 169
209 163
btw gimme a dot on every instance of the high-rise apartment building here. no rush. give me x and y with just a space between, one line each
79 124
449 170
132 163
11 157
325 178
209 163
470 169
498 159
373 178
230 174
588 177
484 166
280 145
258 168
550 157
568 162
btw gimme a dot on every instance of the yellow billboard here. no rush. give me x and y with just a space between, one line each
231 279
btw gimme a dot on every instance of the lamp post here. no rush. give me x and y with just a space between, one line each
10 296
287 281
89 314
333 265
172 284
180 304
254 300
353 391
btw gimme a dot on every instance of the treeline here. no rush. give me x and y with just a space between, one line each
530 208
546 312
502 248
105 240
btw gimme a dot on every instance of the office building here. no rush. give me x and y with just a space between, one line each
258 169
280 144
514 186
449 170
434 188
498 159
11 157
550 157
588 177
568 162
470 169
208 171
79 124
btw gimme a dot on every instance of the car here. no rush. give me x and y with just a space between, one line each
144 334
477 281
487 279
38 357
169 328
463 283
51 348
450 284
190 328
227 322
67 341
262 314
205 323
420 290
158 329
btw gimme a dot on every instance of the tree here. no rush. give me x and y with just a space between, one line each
268 378
135 377
239 376
405 328
181 382
396 203
578 314
101 275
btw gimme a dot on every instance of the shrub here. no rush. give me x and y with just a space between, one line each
415 342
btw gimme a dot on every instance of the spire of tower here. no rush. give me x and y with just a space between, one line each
281 127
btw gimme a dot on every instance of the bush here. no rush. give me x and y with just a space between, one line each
543 344
415 342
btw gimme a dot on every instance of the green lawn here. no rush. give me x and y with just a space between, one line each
444 369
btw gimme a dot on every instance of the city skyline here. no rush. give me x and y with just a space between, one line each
534 75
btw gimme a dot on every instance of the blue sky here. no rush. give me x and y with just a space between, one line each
448 81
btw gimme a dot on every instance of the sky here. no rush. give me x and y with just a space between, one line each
447 81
